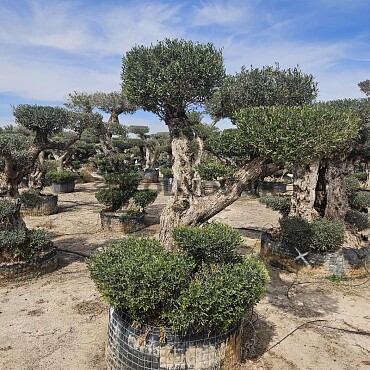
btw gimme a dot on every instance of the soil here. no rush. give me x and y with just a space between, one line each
59 320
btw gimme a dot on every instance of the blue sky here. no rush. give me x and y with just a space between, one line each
49 48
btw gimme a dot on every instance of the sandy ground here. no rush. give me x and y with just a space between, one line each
59 321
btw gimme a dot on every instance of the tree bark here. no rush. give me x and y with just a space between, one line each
188 209
319 189
304 191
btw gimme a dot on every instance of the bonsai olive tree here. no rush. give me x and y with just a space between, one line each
19 153
173 76
113 103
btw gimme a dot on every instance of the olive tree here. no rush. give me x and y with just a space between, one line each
113 103
172 77
19 151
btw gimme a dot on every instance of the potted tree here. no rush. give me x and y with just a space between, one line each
125 203
61 181
177 309
167 175
23 252
35 203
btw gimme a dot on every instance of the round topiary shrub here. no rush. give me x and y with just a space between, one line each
327 235
280 203
296 232
186 291
358 219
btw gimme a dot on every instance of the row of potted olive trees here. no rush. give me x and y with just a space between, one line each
276 123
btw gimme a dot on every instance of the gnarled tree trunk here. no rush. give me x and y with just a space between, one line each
319 189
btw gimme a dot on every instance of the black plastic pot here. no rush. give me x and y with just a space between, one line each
141 347
63 187
167 184
266 187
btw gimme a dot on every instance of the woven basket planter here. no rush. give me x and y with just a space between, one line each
36 266
143 347
48 206
123 223
349 262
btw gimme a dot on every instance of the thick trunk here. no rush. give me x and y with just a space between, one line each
106 133
193 209
319 190
335 179
304 191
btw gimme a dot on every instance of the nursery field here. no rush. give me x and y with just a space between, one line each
59 321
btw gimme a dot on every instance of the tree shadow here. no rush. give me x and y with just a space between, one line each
300 296
256 337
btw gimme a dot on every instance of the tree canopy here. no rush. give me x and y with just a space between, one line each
172 76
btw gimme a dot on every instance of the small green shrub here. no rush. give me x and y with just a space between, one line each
133 212
296 232
60 176
218 297
113 198
143 198
360 200
140 276
212 243
320 235
352 185
10 240
166 288
38 241
327 235
358 219
213 171
280 203
361 176
166 171
7 208
31 198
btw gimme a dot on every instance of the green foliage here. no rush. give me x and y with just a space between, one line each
360 200
38 241
7 208
143 198
171 76
365 87
269 86
43 119
12 240
115 163
122 187
229 144
296 232
31 198
280 203
212 243
358 219
113 198
213 171
352 186
166 171
165 288
295 134
361 176
320 235
219 296
140 276
60 176
327 235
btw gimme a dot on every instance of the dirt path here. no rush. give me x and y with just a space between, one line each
59 321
